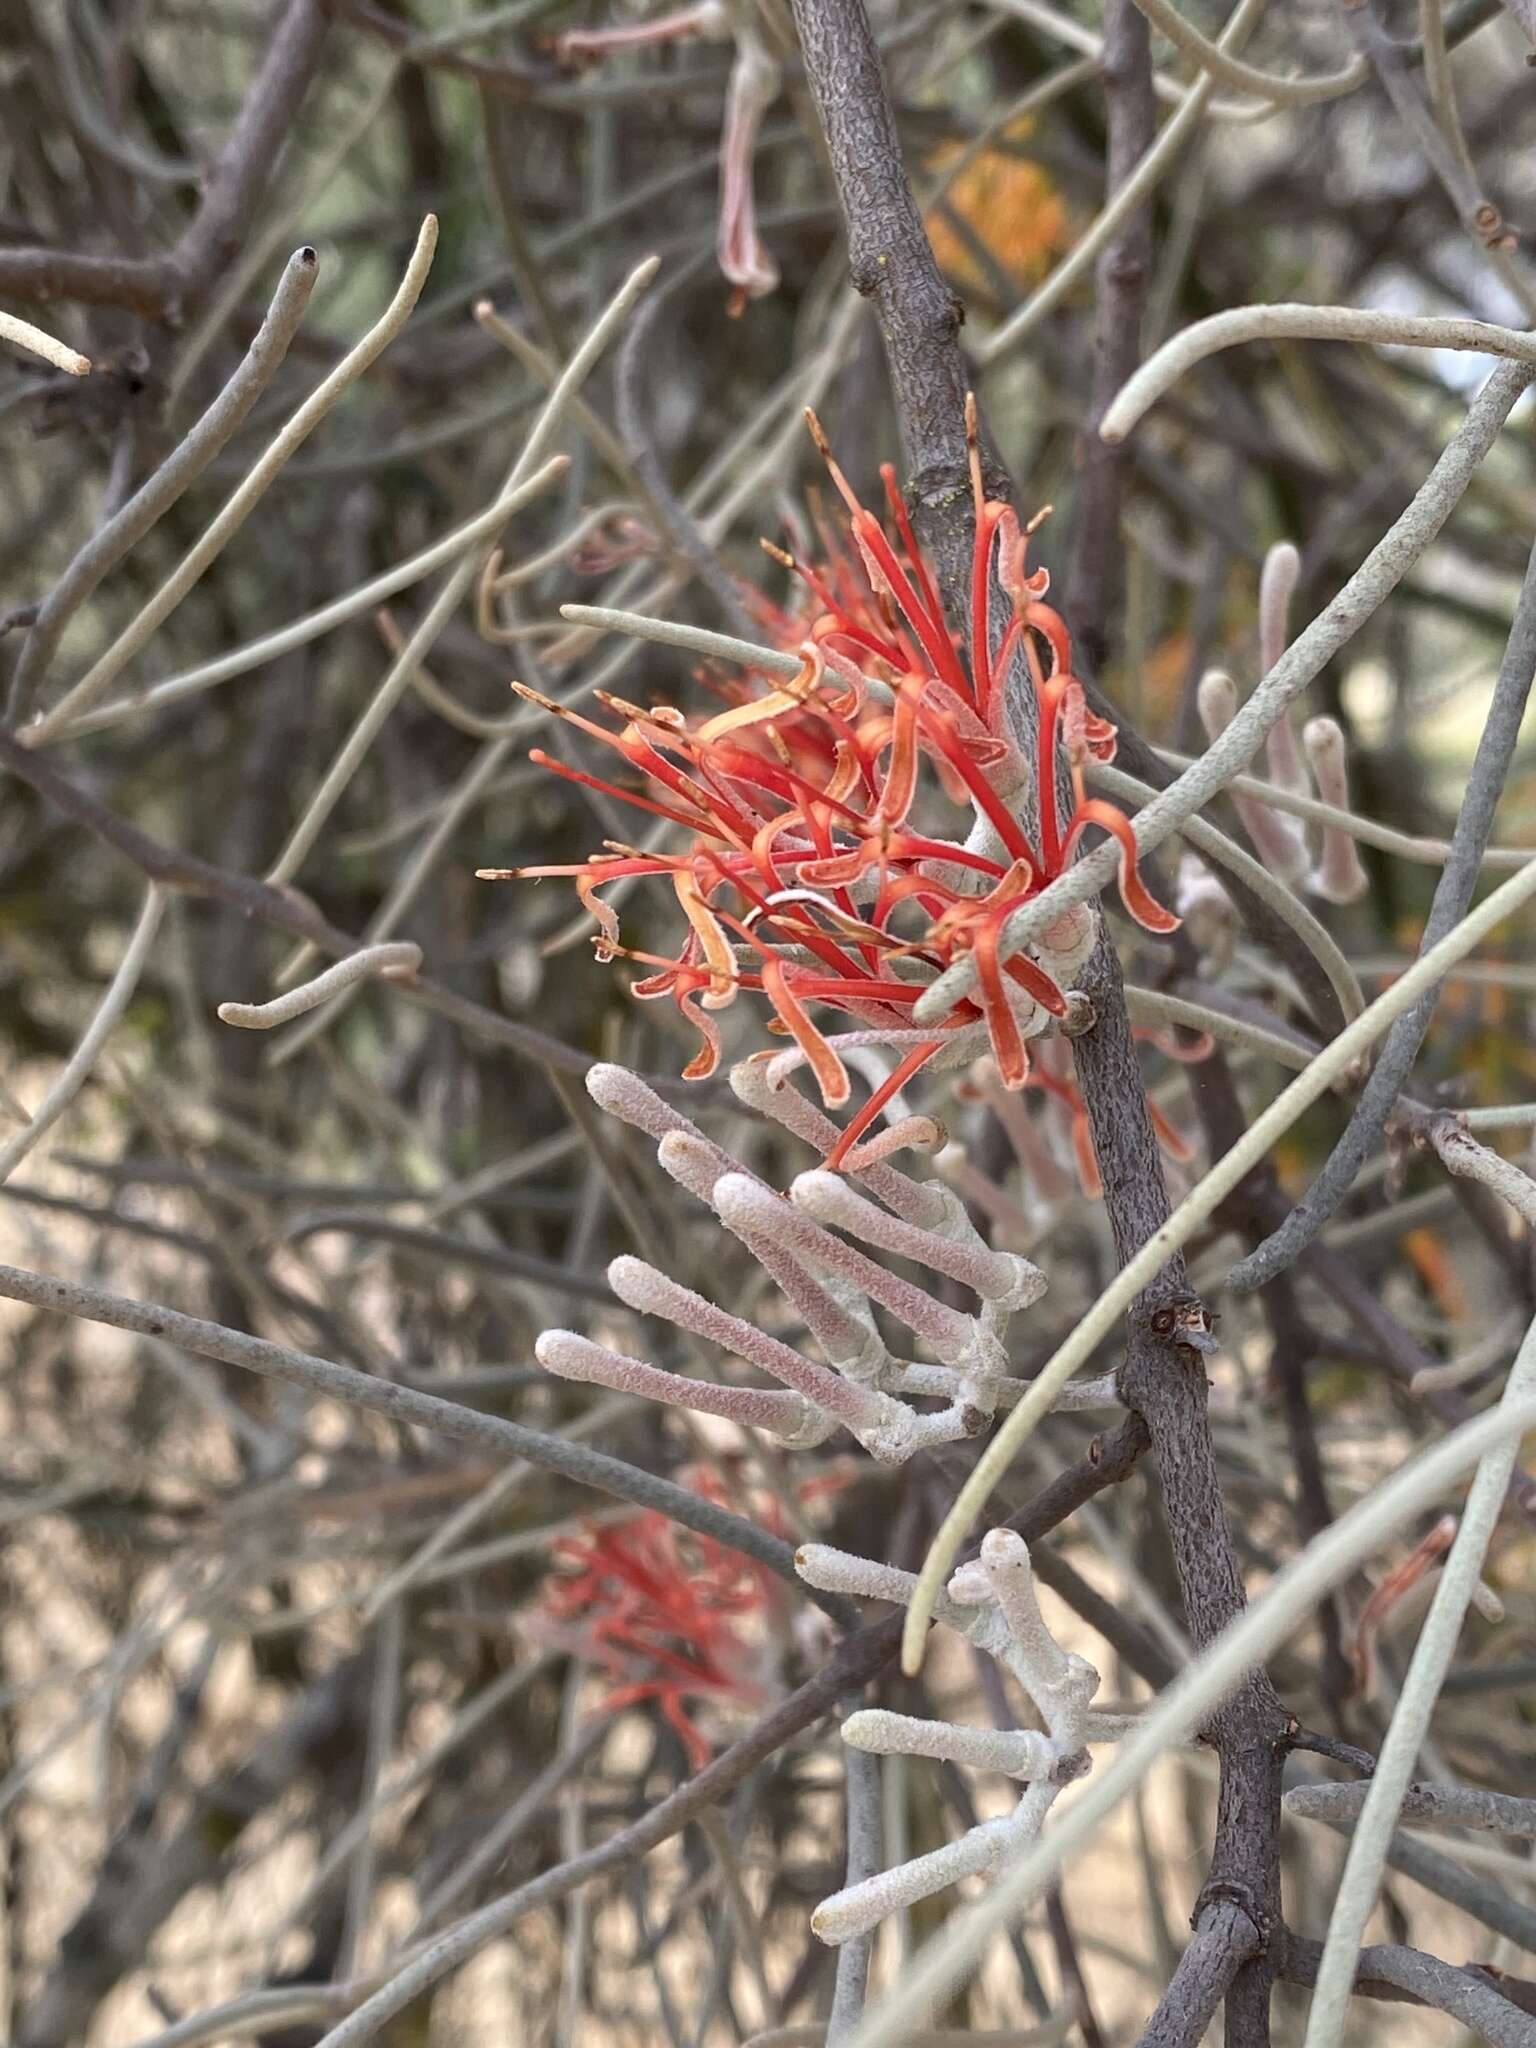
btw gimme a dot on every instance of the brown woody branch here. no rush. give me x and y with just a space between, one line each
165 288
1162 1380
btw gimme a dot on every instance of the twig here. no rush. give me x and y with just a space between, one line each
1452 166
22 334
357 743
1481 1897
1432 1806
1223 1176
1216 847
1225 1936
391 961
1133 193
254 2012
1287 322
1361 1879
1418 847
677 522
1459 1152
243 500
866 1855
1271 85
1474 826
406 1406
1266 1623
696 639
1095 577
859 1658
284 909
186 462
162 287
1426 1980
271 646
1076 35
108 1012
891 263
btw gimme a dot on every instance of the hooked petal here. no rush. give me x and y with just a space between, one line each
713 943
1134 893
831 1074
707 1058
1002 1025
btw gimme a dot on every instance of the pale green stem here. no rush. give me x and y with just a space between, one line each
1362 596
1283 901
1290 322
1333 1061
1361 1879
697 639
257 653
239 506
448 599
1181 1710
78 1068
1406 845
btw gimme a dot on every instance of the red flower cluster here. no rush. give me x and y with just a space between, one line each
810 871
654 1604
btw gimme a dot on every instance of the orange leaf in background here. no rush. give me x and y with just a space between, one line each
1011 204
1436 1268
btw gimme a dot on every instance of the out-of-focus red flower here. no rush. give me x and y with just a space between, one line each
659 1607
655 1607
814 867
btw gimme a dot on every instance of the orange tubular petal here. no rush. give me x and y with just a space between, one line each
713 943
1052 628
1172 1139
1101 738
901 776
1002 1025
1087 1160
920 570
607 917
842 869
988 518
707 1058
831 1074
896 1080
1048 699
887 575
1138 899
773 705
1033 979
941 730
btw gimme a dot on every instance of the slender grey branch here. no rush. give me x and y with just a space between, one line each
866 1856
892 263
1452 1881
408 1407
1385 1970
1439 1806
1460 1153
161 287
1453 893
639 446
